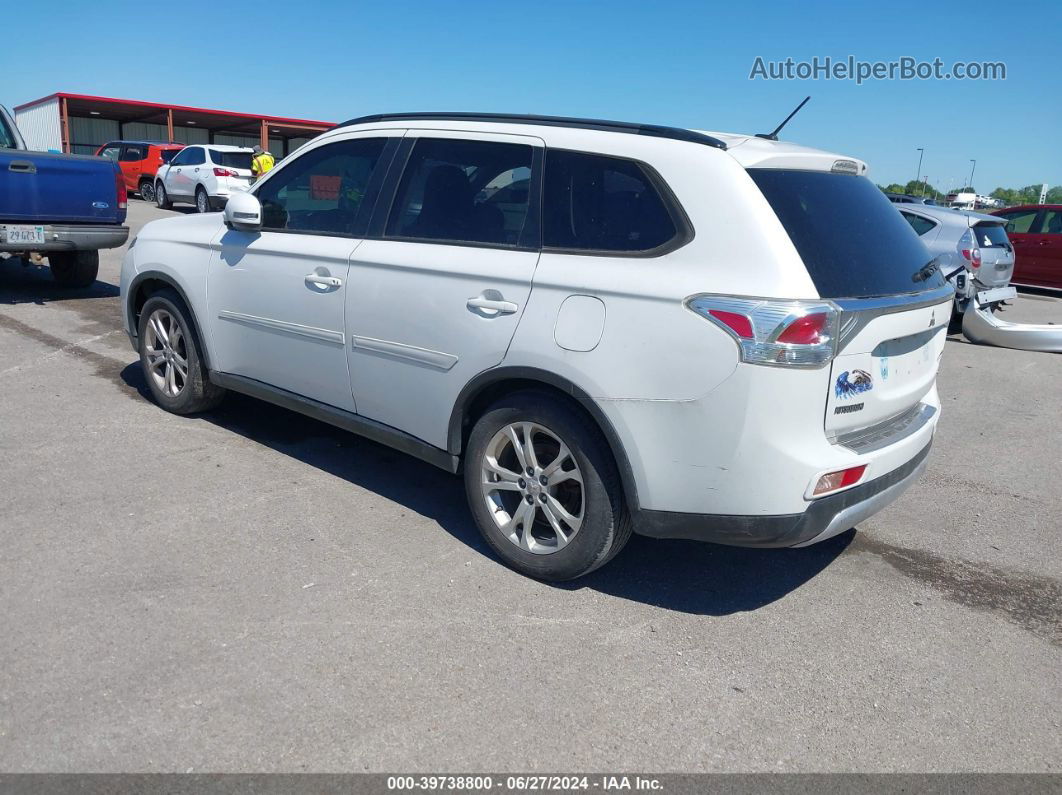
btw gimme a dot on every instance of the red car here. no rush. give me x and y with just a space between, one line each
139 162
1036 232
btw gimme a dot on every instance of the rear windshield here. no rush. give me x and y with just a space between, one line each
852 240
231 159
168 154
991 236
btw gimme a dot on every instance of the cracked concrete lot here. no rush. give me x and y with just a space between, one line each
254 591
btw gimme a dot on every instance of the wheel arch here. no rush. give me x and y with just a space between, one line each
143 286
491 385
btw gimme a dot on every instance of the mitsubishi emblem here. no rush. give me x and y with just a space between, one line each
933 318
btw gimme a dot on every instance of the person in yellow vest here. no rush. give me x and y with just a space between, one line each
261 163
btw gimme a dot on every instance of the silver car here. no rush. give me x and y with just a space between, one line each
972 250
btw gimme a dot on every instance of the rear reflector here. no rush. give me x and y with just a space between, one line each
838 480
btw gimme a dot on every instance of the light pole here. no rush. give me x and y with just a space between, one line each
972 173
918 176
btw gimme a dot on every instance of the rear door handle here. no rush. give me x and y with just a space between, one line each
324 281
22 167
491 305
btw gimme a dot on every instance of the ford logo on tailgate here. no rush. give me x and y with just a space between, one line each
100 205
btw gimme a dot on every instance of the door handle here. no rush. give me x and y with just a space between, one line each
22 167
492 305
323 281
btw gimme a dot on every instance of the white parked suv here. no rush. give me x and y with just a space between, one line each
603 326
204 176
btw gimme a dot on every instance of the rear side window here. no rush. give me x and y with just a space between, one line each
132 154
991 236
463 191
603 204
168 154
918 223
231 159
323 190
851 239
1052 224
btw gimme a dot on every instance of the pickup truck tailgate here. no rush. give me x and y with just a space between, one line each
42 187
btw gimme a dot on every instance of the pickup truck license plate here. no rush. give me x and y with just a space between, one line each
24 234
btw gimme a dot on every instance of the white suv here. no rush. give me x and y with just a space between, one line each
604 326
204 176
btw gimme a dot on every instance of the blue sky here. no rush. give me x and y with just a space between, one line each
681 63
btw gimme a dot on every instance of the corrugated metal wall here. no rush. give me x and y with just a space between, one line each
276 145
87 134
191 135
40 126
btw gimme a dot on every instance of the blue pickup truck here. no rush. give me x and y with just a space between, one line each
63 207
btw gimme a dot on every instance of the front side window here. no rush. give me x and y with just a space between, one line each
111 151
323 190
194 156
1052 224
918 223
1019 221
463 191
181 159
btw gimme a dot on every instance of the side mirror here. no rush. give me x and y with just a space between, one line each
243 211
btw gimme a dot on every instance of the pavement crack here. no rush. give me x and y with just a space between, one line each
1031 601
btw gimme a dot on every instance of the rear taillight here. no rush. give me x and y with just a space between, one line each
781 333
225 172
838 480
969 250
121 196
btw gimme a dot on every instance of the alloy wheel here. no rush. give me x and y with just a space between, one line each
533 487
167 353
202 203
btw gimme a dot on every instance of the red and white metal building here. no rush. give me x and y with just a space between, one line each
80 123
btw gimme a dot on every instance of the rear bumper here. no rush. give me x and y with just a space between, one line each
824 518
73 237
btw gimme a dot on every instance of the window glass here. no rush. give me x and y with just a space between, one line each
194 157
1052 224
321 191
181 159
918 223
468 191
231 159
168 154
111 152
598 203
7 137
1019 221
991 235
852 241
132 153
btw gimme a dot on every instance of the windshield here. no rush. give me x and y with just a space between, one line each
991 236
851 239
231 159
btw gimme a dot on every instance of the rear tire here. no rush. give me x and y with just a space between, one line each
162 199
147 191
170 356
202 201
74 268
553 510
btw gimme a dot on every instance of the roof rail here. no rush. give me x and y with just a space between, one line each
654 130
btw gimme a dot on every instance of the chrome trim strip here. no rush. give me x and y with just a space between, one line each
435 359
890 431
283 327
857 313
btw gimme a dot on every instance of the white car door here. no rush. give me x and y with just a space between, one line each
176 180
275 297
436 294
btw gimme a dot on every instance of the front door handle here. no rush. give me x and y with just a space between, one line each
491 305
323 281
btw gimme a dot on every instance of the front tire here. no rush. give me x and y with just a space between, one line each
202 201
74 268
170 357
543 488
162 199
